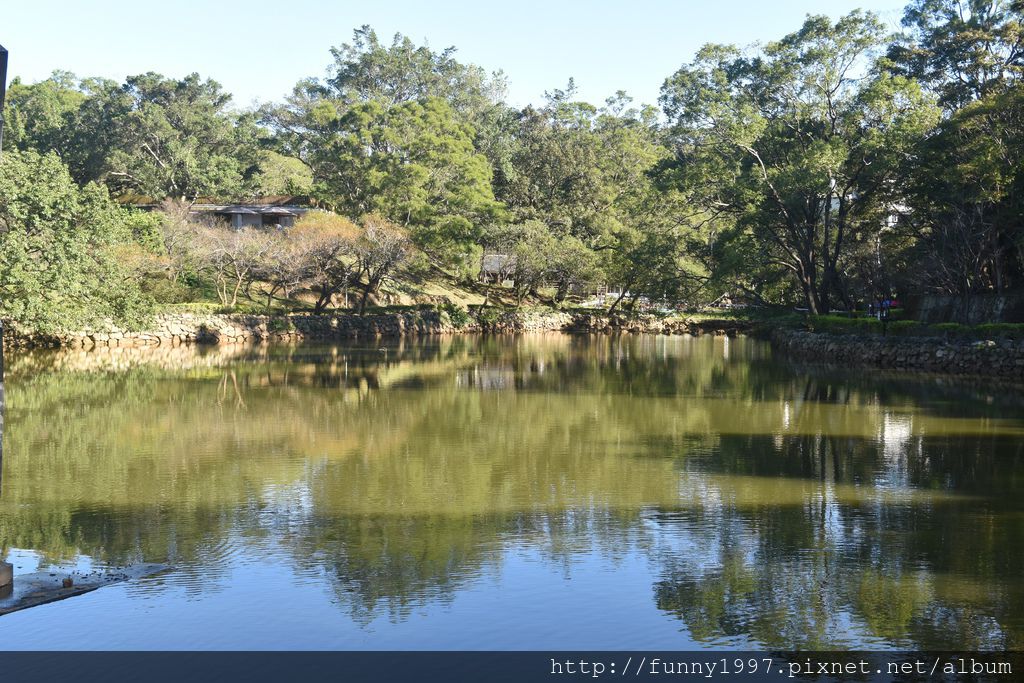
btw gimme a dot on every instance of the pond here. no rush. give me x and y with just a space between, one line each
532 492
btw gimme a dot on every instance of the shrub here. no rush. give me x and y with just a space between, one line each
904 327
457 315
280 324
1011 330
487 316
951 329
836 324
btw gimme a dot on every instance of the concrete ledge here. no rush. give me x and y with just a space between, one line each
40 588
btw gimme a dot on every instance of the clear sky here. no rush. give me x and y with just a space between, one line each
258 49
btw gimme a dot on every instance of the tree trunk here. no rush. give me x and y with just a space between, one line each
561 292
617 301
364 298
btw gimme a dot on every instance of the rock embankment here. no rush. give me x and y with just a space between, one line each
1003 359
649 324
197 328
985 358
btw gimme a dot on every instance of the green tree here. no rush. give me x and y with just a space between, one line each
967 200
40 116
574 165
963 49
58 249
413 163
282 175
163 137
367 69
539 256
964 217
799 144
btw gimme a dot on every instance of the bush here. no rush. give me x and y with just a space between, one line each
904 327
1008 330
280 324
951 329
837 324
457 315
487 317
164 291
834 324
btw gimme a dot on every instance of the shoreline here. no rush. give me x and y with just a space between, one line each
1004 359
196 328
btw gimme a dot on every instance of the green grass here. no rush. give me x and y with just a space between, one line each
210 307
836 324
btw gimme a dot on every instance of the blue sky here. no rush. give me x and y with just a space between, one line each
258 49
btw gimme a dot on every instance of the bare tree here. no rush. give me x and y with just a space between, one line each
323 248
179 231
281 269
233 257
381 248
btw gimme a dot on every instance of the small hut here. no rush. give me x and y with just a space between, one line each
497 268
252 215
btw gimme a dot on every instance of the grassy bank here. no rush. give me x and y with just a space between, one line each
834 324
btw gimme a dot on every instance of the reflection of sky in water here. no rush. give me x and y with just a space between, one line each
262 600
895 436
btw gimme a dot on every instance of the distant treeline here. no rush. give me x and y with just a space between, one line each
837 164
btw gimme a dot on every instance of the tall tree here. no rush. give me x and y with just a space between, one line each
964 203
41 116
368 69
164 137
413 163
59 249
574 164
963 49
966 200
397 130
799 143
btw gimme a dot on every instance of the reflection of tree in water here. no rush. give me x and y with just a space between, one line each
150 465
841 563
817 509
393 564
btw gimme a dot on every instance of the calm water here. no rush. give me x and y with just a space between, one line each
533 492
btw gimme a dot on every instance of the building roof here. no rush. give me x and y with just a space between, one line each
249 209
237 209
276 211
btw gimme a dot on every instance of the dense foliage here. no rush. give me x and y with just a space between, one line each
837 164
64 248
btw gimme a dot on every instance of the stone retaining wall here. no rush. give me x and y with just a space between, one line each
649 324
1003 359
188 328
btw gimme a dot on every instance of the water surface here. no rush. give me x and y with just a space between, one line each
531 492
